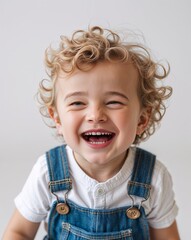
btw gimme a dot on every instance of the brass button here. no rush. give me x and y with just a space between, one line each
133 213
62 208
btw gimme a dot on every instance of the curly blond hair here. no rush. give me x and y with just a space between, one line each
86 48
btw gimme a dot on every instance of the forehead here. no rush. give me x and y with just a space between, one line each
102 75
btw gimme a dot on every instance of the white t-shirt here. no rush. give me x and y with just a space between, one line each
35 199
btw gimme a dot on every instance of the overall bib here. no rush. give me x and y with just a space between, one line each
68 221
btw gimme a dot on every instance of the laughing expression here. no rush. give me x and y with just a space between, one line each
99 137
99 113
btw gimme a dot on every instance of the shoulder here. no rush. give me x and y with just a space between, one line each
34 198
161 175
40 169
160 171
161 206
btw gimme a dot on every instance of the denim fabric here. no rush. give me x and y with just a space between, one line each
98 224
60 178
142 174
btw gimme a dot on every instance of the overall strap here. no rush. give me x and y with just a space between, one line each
140 183
58 169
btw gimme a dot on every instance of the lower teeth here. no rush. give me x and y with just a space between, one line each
97 142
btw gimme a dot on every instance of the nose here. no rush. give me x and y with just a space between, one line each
96 114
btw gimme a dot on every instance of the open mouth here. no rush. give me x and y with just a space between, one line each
97 137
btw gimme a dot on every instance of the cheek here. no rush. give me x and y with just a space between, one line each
126 120
70 123
127 123
121 121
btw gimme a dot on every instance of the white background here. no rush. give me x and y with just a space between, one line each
28 27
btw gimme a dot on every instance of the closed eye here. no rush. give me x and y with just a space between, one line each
114 103
77 103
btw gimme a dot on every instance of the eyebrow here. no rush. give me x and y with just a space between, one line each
117 94
110 93
73 94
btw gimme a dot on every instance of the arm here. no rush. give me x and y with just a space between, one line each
169 233
20 228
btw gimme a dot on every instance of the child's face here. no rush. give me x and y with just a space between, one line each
99 113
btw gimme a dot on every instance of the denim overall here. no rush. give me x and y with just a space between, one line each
69 221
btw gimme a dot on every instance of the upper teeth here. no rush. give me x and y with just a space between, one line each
97 133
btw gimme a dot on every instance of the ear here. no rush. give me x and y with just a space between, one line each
54 116
143 120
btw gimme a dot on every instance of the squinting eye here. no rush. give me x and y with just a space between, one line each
76 104
114 102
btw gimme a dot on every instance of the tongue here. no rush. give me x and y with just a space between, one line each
98 139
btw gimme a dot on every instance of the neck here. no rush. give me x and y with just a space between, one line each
102 172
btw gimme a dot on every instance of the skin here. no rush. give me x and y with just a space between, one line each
104 100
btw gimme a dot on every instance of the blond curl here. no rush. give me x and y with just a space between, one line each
86 48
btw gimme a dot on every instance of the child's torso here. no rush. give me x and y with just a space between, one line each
70 221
